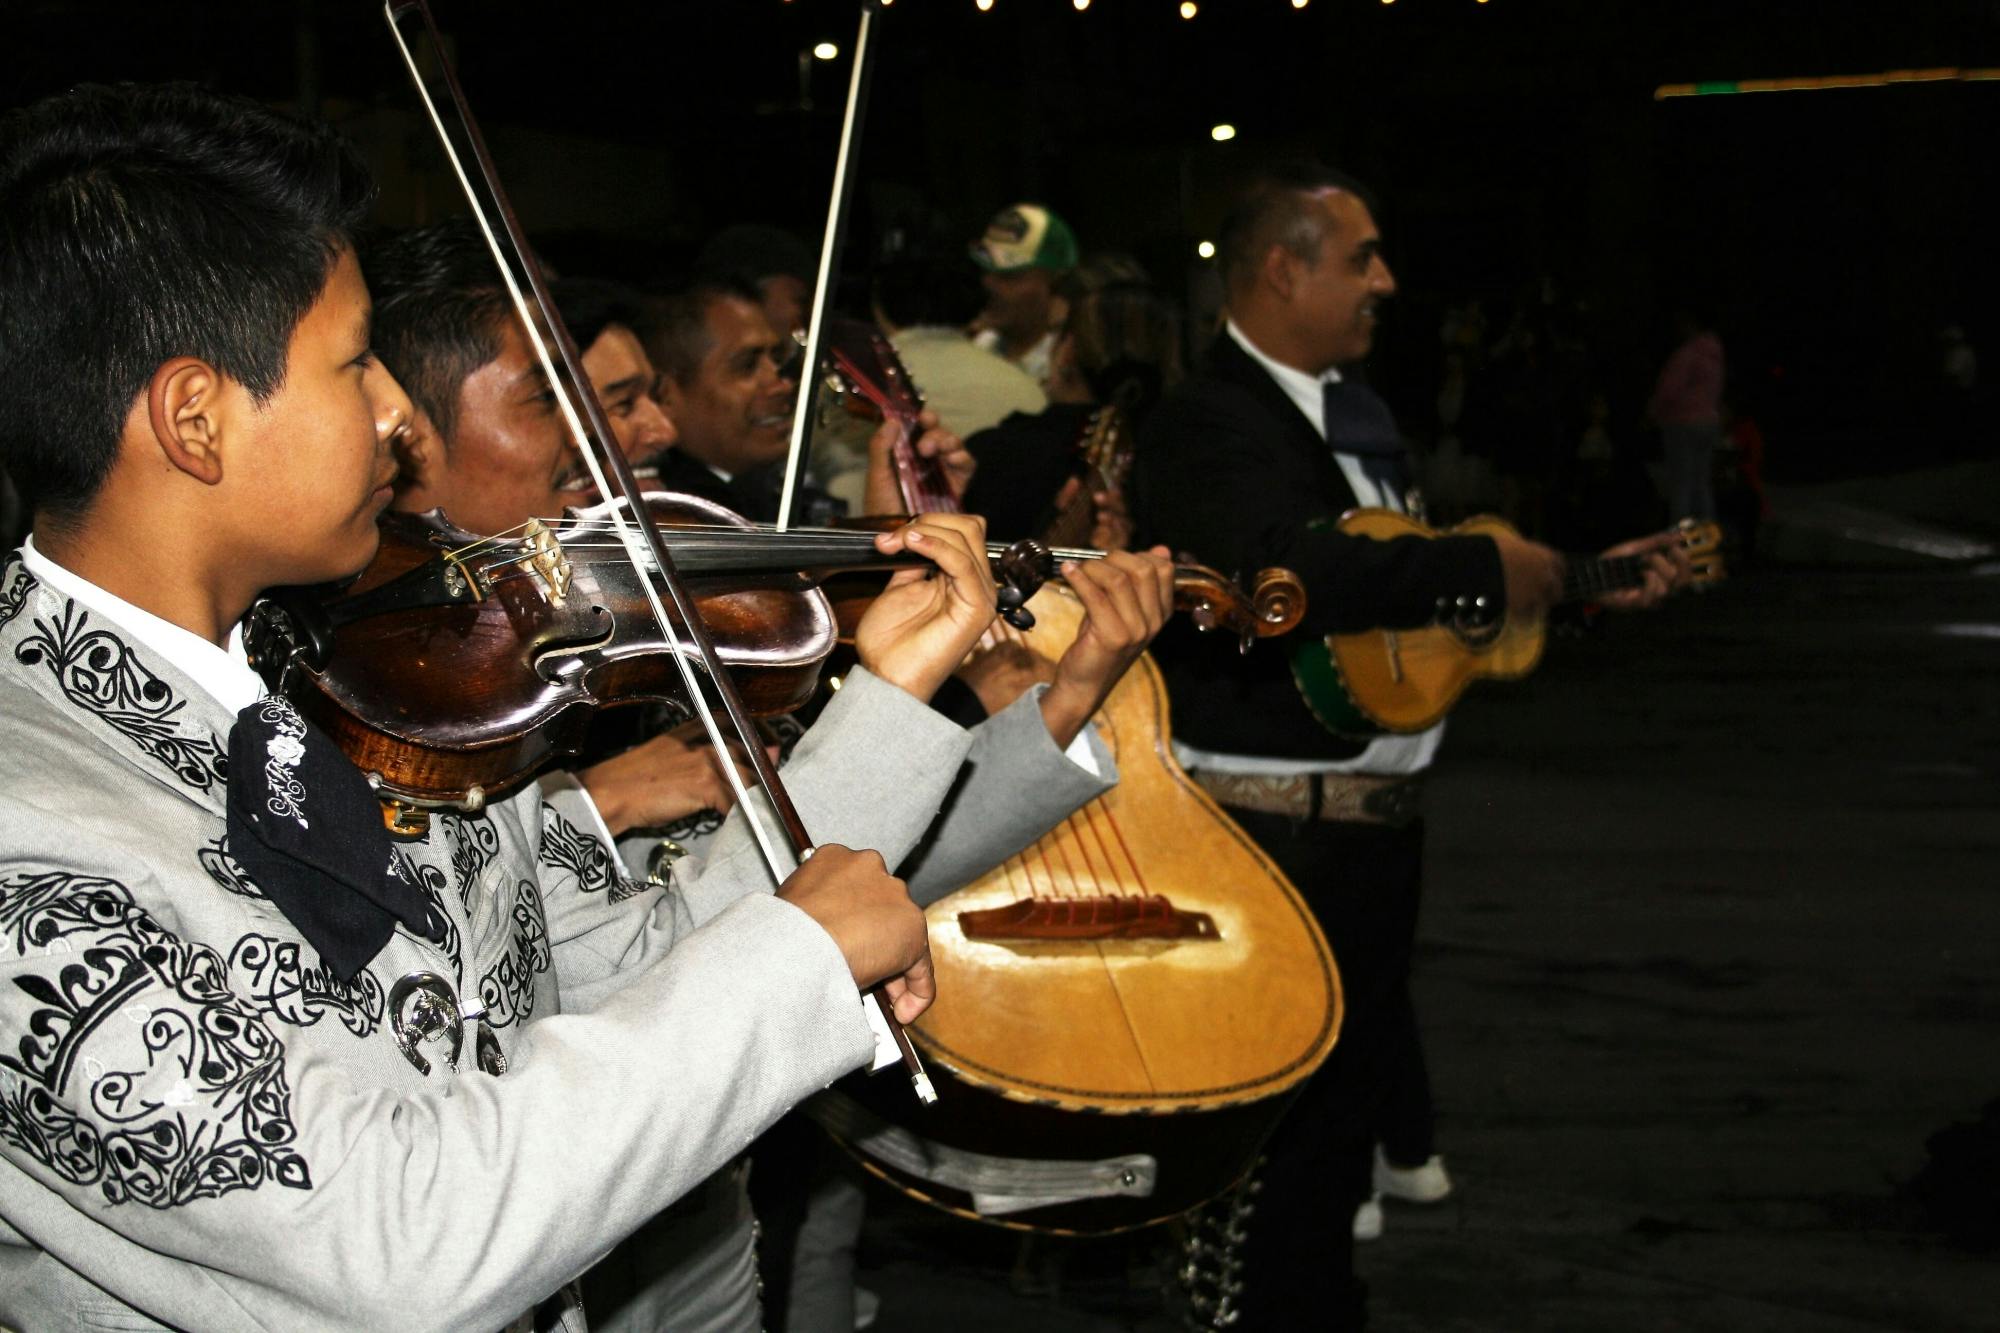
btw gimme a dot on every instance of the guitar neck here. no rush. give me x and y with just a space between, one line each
1587 578
924 486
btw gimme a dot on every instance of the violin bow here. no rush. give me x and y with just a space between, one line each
634 525
831 246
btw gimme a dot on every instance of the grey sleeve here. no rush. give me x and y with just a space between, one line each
1016 786
872 772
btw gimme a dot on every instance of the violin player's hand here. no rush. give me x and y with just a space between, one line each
1126 597
663 780
1667 571
921 627
868 912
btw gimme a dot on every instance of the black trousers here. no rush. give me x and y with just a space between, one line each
1363 882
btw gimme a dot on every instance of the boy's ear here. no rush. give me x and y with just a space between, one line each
184 408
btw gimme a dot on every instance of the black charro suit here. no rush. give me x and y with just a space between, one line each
1229 470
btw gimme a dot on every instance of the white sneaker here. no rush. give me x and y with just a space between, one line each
1368 1220
1412 1184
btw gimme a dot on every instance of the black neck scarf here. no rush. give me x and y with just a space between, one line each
305 827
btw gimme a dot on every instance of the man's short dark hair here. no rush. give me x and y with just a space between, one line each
1273 208
138 224
748 253
676 335
440 309
589 306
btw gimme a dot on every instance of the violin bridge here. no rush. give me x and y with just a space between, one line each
543 556
547 559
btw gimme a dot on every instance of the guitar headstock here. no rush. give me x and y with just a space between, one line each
1701 539
862 368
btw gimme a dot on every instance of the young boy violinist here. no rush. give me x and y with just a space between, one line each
259 1065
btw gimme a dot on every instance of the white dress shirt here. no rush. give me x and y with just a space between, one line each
224 672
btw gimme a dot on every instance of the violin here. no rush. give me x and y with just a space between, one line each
455 666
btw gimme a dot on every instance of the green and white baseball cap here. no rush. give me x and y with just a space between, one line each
1025 236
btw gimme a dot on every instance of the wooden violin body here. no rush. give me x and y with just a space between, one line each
1400 681
454 668
1142 981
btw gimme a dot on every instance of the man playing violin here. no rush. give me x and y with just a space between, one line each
260 1066
504 455
1251 461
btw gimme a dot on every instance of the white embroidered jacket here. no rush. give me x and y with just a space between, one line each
199 1126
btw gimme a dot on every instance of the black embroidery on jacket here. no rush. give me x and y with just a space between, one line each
473 843
140 1072
14 592
98 672
431 880
567 847
225 869
272 974
508 988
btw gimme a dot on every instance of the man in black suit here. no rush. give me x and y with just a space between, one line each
1249 464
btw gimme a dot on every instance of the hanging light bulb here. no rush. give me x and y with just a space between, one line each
1189 9
1206 249
1222 133
826 51
1081 5
983 5
1298 4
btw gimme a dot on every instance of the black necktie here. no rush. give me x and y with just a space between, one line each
305 827
1359 423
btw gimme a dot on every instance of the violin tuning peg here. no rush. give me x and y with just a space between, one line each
1011 598
1020 617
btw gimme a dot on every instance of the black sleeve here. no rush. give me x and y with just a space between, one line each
1216 478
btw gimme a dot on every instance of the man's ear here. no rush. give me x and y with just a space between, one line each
1279 271
184 407
420 460
667 393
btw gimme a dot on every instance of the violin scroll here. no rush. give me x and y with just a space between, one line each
1021 570
1213 602
1279 600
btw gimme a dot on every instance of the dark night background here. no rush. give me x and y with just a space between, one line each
1710 945
1517 147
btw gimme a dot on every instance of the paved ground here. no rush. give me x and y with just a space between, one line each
1712 945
